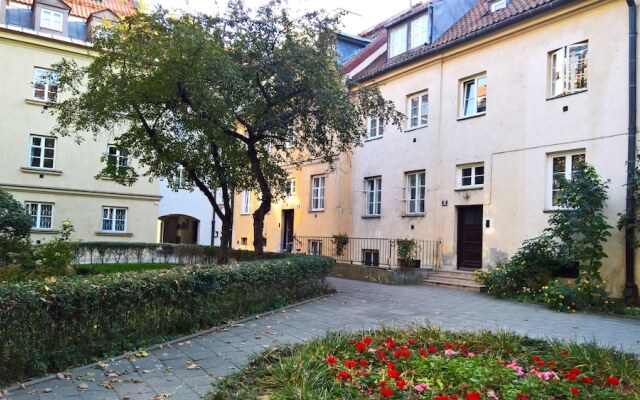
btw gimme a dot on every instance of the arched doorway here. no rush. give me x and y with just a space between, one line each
178 228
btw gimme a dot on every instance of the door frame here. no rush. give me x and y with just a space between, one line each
459 242
287 214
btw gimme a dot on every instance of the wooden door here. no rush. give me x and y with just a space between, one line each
287 230
470 237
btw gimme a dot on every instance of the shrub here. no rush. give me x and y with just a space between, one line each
53 324
15 228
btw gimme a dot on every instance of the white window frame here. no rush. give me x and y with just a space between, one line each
42 148
317 192
315 247
418 110
121 155
40 221
48 20
472 96
415 194
474 176
498 5
398 40
49 81
291 186
568 172
373 196
245 206
419 37
113 219
561 73
375 127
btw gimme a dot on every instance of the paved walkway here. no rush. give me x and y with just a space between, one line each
186 369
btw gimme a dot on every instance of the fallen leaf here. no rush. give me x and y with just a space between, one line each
59 376
107 385
193 366
4 393
47 390
83 386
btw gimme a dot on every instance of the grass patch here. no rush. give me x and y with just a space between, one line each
429 363
90 269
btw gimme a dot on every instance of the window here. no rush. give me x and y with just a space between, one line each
471 176
568 69
45 85
291 187
375 127
51 20
498 5
117 156
415 193
397 41
317 193
418 110
114 219
315 247
420 31
41 215
42 151
244 241
371 257
563 167
373 192
246 202
474 96
180 180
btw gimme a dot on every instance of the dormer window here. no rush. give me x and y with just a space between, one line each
409 35
51 20
498 5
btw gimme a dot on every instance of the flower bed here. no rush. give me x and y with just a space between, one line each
431 364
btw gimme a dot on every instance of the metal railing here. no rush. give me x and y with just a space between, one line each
367 251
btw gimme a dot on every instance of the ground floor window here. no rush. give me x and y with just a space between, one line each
114 219
41 215
371 257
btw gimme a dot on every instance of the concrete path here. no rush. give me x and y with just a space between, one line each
185 369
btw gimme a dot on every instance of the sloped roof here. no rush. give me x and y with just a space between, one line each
84 8
477 21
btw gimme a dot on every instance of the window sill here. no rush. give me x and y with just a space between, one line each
465 188
370 217
45 231
472 116
41 171
371 139
121 234
560 96
40 103
245 213
319 210
105 178
555 210
415 128
420 215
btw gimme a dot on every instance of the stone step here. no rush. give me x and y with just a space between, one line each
451 279
470 287
461 274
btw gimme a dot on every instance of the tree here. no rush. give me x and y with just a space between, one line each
15 228
230 99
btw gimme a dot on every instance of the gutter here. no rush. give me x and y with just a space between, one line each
630 292
473 36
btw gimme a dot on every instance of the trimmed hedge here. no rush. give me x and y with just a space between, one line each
53 324
126 252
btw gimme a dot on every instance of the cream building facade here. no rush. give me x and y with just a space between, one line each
53 176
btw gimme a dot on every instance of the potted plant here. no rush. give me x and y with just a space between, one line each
341 241
407 250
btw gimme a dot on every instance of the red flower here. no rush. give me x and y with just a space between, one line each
587 380
391 366
386 392
613 381
343 376
521 396
431 349
574 390
423 352
394 374
448 345
350 364
367 340
553 363
400 384
331 360
381 356
364 362
411 342
473 396
383 383
541 363
361 347
537 358
565 352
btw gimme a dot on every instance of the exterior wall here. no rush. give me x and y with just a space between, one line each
332 221
513 139
71 186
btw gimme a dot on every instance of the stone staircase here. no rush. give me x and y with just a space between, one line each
462 280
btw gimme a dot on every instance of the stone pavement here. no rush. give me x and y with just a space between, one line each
185 369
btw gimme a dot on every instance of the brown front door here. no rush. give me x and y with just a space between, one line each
470 237
287 230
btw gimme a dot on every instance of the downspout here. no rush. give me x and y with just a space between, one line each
631 288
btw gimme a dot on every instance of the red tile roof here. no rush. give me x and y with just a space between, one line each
364 54
379 28
478 20
84 8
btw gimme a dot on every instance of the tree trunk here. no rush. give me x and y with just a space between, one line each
225 239
265 204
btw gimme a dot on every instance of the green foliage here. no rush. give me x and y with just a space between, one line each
91 269
407 251
15 227
576 235
341 241
482 361
53 324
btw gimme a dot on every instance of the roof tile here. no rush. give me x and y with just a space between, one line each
84 8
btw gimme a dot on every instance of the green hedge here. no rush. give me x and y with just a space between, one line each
126 252
51 325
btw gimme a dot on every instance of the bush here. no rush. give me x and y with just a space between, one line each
53 324
15 228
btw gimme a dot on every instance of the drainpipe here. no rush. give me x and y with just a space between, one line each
631 288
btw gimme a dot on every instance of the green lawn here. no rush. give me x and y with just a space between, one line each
86 269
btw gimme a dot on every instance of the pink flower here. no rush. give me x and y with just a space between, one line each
546 375
449 352
492 395
421 387
470 354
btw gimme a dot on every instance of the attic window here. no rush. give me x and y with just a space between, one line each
51 20
409 35
498 5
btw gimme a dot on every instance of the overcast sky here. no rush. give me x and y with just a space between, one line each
363 13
